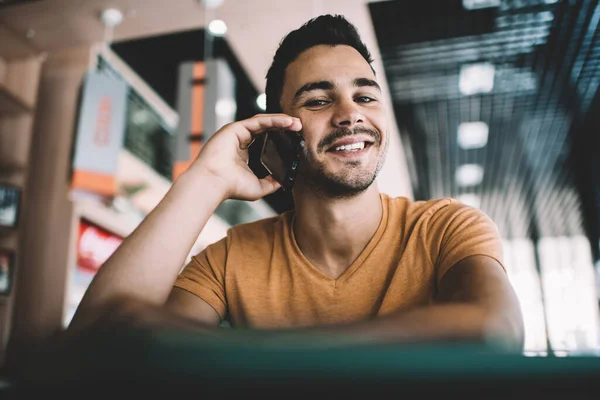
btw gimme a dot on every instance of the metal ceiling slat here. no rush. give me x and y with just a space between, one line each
552 208
590 65
530 32
521 165
494 152
415 67
544 130
437 149
551 180
512 168
426 121
486 115
547 96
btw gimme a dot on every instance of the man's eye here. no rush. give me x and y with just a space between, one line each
365 99
315 103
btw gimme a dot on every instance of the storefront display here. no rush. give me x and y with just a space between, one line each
9 205
7 265
94 246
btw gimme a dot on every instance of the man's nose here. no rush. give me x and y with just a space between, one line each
347 114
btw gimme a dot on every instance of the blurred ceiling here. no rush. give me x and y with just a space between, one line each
542 61
254 27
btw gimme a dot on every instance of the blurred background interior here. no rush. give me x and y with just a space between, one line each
493 102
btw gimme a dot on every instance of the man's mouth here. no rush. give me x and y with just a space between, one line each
351 144
353 147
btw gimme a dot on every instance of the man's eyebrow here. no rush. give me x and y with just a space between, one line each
360 82
322 85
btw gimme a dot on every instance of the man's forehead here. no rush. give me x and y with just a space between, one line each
336 64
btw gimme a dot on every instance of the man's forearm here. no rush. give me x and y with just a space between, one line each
448 322
475 303
147 263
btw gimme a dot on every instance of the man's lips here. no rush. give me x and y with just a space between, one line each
351 140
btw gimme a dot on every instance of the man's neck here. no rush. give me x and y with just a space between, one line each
331 233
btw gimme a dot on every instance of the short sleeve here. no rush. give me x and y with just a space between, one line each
460 231
204 276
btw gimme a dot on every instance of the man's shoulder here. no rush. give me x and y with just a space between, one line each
421 207
259 229
443 208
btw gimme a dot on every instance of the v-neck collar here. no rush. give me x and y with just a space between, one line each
362 257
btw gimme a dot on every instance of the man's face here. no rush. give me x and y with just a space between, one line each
333 91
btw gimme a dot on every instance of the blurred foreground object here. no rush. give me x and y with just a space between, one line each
248 361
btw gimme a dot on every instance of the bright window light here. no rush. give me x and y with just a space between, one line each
472 135
520 263
261 101
570 296
470 199
469 175
217 27
477 4
476 78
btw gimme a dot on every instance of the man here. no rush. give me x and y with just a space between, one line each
348 262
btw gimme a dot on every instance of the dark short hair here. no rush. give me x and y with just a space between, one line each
330 30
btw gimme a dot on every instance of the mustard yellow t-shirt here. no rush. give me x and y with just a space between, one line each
258 277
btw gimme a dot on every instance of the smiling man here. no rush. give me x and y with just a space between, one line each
348 262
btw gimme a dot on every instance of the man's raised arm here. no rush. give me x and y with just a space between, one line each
141 272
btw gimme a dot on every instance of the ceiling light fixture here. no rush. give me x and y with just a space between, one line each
469 175
217 27
110 18
472 135
476 78
477 4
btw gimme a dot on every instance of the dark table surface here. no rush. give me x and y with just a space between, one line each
184 363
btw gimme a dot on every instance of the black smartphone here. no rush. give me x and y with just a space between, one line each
280 154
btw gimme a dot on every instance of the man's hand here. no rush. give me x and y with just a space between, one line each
224 158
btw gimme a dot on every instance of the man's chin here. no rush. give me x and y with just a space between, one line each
334 181
336 187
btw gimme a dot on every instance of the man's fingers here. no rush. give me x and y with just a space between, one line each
261 122
269 185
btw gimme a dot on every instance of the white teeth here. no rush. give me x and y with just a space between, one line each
351 147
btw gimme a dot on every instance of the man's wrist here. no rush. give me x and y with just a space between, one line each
204 182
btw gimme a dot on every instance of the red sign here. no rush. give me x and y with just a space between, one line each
94 246
102 135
